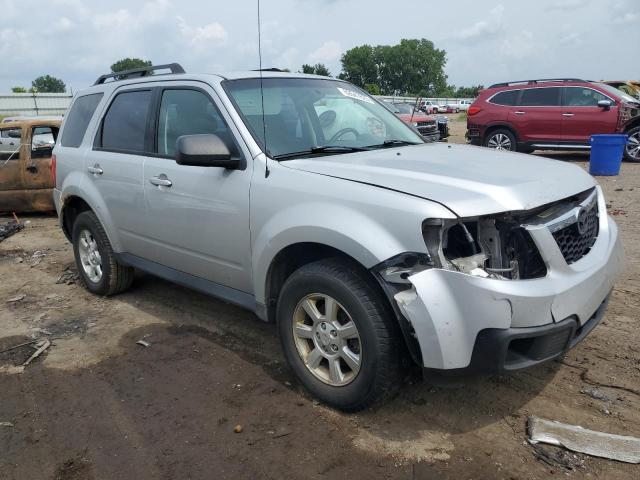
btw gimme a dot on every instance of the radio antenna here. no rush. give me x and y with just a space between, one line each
264 125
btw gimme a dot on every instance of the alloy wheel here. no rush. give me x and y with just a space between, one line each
633 146
327 339
499 141
90 256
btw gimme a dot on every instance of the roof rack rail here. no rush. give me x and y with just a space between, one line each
272 69
139 72
538 80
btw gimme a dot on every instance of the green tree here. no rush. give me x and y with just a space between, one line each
372 88
469 92
48 84
409 67
129 64
317 69
359 66
18 90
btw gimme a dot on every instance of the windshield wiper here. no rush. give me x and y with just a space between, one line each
324 149
393 143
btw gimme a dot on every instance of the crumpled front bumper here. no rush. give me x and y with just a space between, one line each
449 310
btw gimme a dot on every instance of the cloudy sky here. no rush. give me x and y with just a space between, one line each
488 41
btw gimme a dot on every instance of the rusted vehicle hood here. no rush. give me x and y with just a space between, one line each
468 180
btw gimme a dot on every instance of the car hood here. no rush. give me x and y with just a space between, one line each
408 118
468 180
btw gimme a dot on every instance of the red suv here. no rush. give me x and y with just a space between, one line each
552 114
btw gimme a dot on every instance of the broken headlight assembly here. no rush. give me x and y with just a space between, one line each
490 247
493 247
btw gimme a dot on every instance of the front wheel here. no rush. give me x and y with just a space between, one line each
501 139
632 150
338 335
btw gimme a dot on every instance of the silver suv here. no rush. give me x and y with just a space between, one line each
304 200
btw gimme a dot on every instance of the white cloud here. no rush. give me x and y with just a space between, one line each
209 35
114 20
568 4
521 46
483 29
571 39
626 18
327 52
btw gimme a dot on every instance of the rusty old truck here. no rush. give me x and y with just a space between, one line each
26 173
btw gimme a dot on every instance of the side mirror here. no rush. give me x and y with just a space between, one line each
206 150
606 104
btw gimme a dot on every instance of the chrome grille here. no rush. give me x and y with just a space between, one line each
576 240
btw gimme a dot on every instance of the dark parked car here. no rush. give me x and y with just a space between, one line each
554 114
431 128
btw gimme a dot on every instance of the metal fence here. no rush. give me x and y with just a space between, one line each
435 100
34 104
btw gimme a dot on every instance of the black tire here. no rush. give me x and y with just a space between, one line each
634 136
115 277
496 136
380 344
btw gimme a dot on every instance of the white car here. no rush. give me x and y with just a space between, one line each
460 106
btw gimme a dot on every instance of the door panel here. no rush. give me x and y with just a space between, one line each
581 116
115 166
538 115
13 196
200 223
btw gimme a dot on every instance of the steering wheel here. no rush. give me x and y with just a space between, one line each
343 132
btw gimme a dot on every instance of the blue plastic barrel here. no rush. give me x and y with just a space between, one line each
606 154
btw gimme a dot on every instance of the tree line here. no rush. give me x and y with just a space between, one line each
413 67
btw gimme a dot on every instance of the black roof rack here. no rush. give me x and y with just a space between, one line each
139 72
539 80
272 69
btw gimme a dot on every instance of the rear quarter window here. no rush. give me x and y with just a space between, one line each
78 119
508 97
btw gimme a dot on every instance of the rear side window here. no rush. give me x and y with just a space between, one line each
508 97
540 97
582 97
78 119
124 125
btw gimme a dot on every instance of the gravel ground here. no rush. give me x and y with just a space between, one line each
97 405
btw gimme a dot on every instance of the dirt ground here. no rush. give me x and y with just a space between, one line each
96 405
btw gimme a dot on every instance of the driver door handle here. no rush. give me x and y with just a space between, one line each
95 170
567 114
519 112
161 181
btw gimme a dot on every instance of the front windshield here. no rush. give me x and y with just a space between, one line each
308 116
613 90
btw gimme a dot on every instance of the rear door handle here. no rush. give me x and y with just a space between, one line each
519 112
161 181
567 114
95 170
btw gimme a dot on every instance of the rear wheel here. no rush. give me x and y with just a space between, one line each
100 272
337 334
501 139
632 150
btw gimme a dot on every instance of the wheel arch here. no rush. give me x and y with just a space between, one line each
633 123
74 201
499 126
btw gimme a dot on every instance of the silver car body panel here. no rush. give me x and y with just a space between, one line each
447 327
368 205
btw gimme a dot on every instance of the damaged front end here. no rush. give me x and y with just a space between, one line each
503 271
